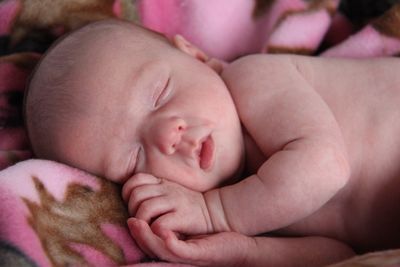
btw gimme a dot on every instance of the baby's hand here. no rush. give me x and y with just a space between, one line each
165 205
221 249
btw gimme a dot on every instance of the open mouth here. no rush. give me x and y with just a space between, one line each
207 153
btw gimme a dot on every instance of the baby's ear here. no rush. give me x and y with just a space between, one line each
187 47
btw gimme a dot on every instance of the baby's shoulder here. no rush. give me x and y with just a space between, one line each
255 65
253 78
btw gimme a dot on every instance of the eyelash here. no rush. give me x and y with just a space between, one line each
163 94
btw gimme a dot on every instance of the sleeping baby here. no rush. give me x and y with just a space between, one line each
272 160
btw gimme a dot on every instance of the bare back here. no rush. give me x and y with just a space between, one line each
364 97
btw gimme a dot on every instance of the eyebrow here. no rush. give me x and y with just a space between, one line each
140 79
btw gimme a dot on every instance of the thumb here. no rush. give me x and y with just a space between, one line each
175 223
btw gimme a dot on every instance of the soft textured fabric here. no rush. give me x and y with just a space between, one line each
55 215
228 29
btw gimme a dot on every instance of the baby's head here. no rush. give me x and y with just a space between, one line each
115 99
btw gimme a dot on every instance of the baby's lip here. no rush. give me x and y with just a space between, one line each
206 153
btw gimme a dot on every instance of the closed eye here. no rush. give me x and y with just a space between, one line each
163 95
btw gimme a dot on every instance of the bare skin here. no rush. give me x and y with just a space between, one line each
363 97
313 141
351 113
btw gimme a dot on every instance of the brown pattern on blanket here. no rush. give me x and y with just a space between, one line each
389 24
77 219
261 6
64 16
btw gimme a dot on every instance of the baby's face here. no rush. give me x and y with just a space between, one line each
159 111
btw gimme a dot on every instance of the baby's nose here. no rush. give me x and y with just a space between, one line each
170 133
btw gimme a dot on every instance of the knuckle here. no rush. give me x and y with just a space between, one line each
146 207
145 178
134 200
159 224
135 193
144 210
140 176
157 227
126 190
131 208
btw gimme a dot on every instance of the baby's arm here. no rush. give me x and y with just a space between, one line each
233 249
296 130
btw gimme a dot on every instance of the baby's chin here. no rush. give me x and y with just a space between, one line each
233 179
220 182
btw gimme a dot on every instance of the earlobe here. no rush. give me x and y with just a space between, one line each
187 47
216 64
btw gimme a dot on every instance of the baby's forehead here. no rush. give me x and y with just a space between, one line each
94 54
114 32
97 36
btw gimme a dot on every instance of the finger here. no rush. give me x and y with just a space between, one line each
170 221
151 244
153 208
142 193
188 250
138 231
137 180
222 249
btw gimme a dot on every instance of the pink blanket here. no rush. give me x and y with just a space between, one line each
55 215
228 29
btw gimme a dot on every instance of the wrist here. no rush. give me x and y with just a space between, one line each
216 211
